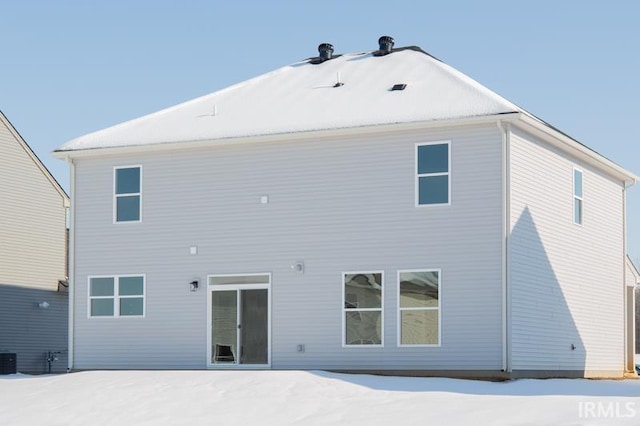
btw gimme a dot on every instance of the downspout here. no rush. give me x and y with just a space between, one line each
505 128
72 269
627 362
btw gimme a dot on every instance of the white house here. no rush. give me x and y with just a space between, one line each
33 303
375 211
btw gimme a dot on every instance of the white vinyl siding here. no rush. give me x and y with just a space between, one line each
326 210
565 281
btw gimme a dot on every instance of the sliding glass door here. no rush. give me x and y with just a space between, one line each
239 320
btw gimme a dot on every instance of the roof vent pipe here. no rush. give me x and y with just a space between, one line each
326 51
386 44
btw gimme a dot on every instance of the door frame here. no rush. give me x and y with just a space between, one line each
237 287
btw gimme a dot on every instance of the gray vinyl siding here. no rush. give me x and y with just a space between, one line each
32 229
566 280
340 204
29 331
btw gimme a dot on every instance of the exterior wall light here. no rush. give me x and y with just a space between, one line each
194 285
43 305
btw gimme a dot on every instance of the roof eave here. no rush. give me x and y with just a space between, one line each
321 133
634 270
574 148
523 120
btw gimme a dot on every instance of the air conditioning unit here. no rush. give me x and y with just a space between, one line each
8 363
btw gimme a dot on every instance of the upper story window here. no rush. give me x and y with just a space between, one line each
433 185
362 308
577 196
127 194
116 296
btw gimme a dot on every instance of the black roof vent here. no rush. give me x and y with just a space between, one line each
400 86
386 45
325 50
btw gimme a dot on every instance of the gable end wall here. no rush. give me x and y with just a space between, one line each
566 280
32 229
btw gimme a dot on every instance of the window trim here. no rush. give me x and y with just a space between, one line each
116 195
417 175
576 197
345 310
400 309
116 296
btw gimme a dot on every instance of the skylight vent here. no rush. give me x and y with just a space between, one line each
399 86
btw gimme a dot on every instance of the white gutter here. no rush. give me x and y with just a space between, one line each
521 119
72 251
574 148
326 133
505 128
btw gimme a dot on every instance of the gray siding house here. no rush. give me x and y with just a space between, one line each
33 303
633 289
377 211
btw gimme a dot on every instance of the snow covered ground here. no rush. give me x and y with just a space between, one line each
308 398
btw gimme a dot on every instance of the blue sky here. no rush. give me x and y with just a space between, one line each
71 67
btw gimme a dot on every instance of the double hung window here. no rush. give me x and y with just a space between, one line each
362 312
433 177
577 196
127 194
419 307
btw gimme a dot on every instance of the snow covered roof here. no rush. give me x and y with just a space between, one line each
351 90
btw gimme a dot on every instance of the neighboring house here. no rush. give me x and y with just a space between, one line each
374 211
633 294
33 250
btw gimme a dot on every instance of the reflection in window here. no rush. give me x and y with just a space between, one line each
127 194
432 173
419 307
362 308
116 296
